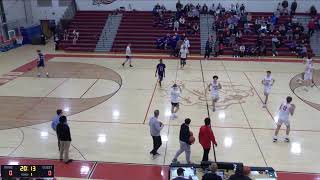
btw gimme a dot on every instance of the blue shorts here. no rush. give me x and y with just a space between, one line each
40 64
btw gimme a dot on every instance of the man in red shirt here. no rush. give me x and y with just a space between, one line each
206 136
312 27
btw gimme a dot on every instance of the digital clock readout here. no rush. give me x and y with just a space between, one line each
27 171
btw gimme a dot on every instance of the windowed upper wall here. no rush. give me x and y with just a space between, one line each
147 5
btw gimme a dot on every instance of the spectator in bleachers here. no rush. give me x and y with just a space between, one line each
262 49
195 13
65 34
189 29
163 8
235 49
216 48
247 29
239 174
211 173
294 6
303 51
182 21
204 9
232 8
313 11
176 25
275 43
198 7
173 44
212 10
285 5
186 42
274 19
292 45
208 49
282 30
311 27
238 36
279 7
195 28
242 50
242 8
179 6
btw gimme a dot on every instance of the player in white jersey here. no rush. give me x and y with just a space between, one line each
183 56
285 110
214 87
267 82
128 55
307 76
175 96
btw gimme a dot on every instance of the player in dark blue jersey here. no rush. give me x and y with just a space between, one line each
40 63
161 71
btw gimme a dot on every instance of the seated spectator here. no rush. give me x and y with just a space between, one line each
195 13
247 29
242 50
195 28
182 21
239 36
303 51
204 9
65 34
274 19
189 29
239 174
198 7
282 30
235 49
211 173
221 49
292 46
176 25
180 173
262 50
232 8
289 34
263 28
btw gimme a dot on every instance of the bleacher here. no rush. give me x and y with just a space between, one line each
137 28
89 25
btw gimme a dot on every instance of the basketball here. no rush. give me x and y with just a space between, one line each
192 139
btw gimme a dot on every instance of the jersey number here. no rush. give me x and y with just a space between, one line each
284 108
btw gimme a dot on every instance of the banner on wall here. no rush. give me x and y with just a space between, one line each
99 2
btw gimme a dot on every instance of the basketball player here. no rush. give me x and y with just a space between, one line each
40 64
215 87
128 56
308 73
183 56
175 94
268 82
285 110
161 71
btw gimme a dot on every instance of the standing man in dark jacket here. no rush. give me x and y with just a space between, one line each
294 6
64 136
208 49
211 174
185 144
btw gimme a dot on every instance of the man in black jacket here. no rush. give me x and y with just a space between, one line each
294 6
64 136
211 174
185 143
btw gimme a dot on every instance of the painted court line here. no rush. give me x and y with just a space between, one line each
154 90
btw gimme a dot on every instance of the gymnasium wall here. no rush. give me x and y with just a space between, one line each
28 11
147 5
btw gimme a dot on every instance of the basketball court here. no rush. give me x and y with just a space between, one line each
109 106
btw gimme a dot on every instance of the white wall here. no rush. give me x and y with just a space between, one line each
147 5
21 10
47 13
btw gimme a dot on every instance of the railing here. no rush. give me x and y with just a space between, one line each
104 35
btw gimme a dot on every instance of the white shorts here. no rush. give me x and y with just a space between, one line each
307 76
283 121
267 90
215 96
